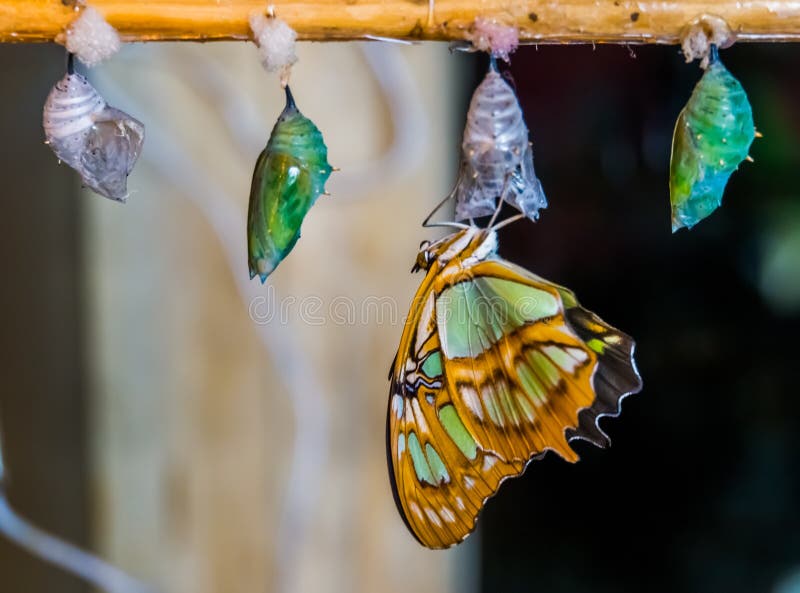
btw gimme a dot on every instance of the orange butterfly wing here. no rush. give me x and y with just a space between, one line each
440 482
477 393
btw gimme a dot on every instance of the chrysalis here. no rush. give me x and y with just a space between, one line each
101 143
496 156
290 175
712 136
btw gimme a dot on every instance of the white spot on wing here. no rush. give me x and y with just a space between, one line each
469 482
397 405
447 515
423 426
492 405
488 462
433 517
460 503
559 356
415 509
577 354
409 415
470 397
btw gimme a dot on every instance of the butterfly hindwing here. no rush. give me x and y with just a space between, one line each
440 476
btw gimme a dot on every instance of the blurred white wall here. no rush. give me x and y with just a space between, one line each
232 455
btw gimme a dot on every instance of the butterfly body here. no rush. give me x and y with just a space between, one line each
289 176
712 137
495 367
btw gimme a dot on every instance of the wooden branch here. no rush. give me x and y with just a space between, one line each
539 21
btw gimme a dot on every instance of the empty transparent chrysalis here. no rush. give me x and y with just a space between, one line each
100 142
496 155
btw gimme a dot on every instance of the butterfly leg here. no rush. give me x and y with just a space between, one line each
427 221
428 224
503 196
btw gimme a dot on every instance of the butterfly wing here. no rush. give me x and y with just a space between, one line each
440 477
492 371
615 376
528 367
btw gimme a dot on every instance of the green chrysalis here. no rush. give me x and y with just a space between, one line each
712 137
290 175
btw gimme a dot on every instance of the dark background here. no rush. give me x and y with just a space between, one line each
700 489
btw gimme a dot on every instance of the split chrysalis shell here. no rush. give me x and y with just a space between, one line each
289 176
712 137
100 142
496 155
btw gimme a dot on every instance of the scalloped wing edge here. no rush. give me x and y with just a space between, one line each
615 378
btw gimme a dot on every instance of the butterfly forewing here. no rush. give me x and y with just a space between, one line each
615 377
517 373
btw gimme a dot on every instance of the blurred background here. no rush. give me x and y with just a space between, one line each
208 434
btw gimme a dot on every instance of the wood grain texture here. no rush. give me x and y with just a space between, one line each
565 21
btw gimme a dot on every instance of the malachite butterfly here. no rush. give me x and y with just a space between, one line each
712 137
496 366
496 155
290 174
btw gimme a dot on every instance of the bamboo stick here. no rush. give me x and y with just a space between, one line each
539 21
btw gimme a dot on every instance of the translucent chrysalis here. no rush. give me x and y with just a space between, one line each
290 175
712 137
496 155
100 142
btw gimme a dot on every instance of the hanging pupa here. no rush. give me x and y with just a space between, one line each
496 155
289 176
100 142
712 137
